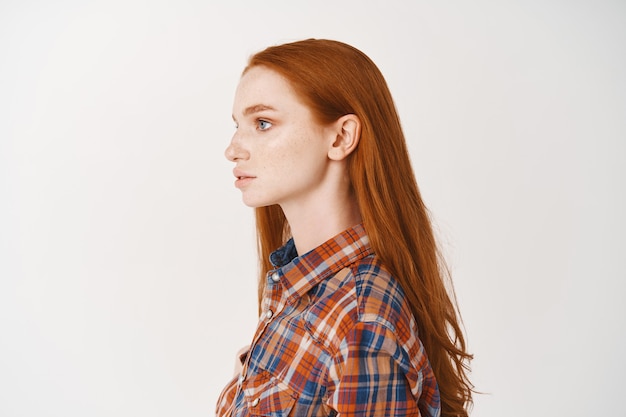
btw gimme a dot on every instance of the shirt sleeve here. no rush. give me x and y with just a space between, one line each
367 378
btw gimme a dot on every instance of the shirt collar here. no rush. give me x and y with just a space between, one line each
301 273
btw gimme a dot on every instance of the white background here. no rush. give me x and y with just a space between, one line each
127 260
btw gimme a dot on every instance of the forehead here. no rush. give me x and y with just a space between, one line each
261 86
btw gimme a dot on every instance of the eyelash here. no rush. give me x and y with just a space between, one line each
259 122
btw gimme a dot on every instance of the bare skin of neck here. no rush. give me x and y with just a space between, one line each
324 216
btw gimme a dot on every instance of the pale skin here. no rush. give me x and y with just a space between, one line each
283 156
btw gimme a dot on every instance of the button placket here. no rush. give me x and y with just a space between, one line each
275 302
272 301
269 300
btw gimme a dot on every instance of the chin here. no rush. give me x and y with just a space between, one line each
255 203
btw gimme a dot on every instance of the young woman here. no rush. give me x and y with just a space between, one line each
355 318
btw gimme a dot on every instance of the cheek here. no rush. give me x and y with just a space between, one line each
299 152
285 152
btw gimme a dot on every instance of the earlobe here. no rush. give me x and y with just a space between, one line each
348 133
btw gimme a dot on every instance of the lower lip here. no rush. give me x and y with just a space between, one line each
242 182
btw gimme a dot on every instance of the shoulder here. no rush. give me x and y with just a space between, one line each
367 293
380 297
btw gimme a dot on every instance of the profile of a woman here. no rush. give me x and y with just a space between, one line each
355 313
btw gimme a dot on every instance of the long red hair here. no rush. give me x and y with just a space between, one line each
335 79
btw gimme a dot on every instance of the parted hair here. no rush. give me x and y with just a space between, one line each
335 79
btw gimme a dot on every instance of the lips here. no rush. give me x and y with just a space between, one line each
243 178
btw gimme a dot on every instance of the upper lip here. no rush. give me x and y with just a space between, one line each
240 174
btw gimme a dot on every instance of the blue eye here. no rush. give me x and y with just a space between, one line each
263 124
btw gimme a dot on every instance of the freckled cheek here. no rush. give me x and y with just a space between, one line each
292 153
283 156
285 167
279 164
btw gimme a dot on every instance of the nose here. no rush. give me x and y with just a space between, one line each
235 151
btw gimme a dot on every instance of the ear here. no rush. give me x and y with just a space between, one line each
347 133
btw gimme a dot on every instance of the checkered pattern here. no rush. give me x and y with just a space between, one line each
336 337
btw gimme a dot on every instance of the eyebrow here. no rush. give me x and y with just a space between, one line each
257 108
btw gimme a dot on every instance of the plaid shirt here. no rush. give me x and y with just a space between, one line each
336 337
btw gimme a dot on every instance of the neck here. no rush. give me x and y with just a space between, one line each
314 224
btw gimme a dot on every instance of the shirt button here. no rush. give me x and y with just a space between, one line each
275 277
240 380
269 314
255 402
